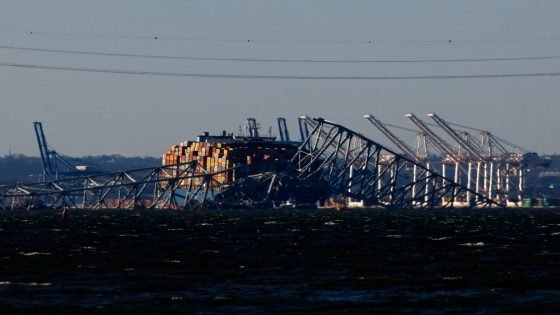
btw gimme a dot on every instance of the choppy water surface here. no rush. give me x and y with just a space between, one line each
264 261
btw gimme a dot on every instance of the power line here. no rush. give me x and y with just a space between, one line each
278 77
112 54
284 41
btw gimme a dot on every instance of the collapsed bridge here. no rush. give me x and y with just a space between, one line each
330 161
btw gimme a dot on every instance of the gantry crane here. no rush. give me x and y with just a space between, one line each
473 155
56 165
405 148
485 154
303 129
283 129
496 149
465 144
440 144
421 158
450 156
253 127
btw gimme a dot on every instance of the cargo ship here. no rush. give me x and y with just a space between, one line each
250 162
240 154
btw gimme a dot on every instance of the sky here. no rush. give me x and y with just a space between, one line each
102 112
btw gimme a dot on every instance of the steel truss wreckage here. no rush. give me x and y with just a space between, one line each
331 161
179 186
369 174
141 188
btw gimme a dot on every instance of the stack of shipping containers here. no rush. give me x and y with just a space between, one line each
218 156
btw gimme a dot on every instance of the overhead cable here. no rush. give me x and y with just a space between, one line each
156 36
114 54
278 77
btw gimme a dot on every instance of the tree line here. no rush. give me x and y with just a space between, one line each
19 168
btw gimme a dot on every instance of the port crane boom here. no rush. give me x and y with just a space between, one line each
462 142
43 149
438 142
283 129
253 127
55 164
405 148
495 173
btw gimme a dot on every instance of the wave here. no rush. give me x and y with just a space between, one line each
477 244
440 238
34 284
34 254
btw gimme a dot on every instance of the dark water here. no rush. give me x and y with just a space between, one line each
290 261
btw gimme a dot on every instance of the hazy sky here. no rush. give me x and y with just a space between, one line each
87 113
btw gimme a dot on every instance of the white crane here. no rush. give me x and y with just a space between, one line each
449 155
405 148
510 158
416 156
473 155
